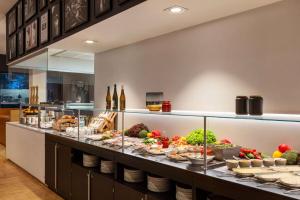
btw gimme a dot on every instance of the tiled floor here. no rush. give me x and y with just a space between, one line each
16 184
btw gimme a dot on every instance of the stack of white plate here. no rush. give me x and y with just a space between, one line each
133 175
158 184
183 193
106 167
90 160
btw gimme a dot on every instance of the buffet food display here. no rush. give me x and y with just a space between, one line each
186 150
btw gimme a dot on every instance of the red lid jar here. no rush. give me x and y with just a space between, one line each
166 106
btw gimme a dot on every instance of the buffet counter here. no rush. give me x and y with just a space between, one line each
65 154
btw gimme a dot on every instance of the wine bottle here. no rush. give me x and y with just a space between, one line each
122 99
115 99
108 99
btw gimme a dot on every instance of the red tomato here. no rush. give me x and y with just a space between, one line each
283 148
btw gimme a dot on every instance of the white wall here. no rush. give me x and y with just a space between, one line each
205 67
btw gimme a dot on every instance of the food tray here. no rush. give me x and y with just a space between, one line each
272 177
291 181
290 168
227 153
248 172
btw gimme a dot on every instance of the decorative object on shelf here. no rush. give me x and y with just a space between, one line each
158 184
241 105
166 106
108 99
255 105
43 4
55 21
133 175
154 108
122 99
12 26
12 47
31 35
154 98
102 6
34 98
115 99
29 9
20 42
44 30
20 14
89 160
75 13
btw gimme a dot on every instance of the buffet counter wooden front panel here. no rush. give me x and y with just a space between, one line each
26 148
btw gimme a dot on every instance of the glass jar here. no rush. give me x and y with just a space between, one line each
241 105
166 106
255 105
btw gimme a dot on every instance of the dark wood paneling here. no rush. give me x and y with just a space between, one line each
50 164
3 66
101 187
123 192
116 8
64 171
79 183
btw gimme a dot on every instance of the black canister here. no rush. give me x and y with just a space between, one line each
241 105
255 105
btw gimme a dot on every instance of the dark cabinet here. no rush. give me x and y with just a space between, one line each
79 183
50 164
89 185
58 168
102 187
125 192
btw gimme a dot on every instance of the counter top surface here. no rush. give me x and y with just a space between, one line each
218 174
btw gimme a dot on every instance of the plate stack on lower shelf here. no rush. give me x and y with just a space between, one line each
183 193
106 167
158 184
90 160
133 175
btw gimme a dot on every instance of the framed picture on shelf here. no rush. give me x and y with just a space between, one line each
29 9
20 14
21 42
31 35
44 28
43 4
55 20
12 47
102 6
12 21
75 13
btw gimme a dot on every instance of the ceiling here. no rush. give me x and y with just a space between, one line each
5 5
149 19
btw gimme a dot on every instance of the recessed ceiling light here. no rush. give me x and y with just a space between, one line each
176 9
90 41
